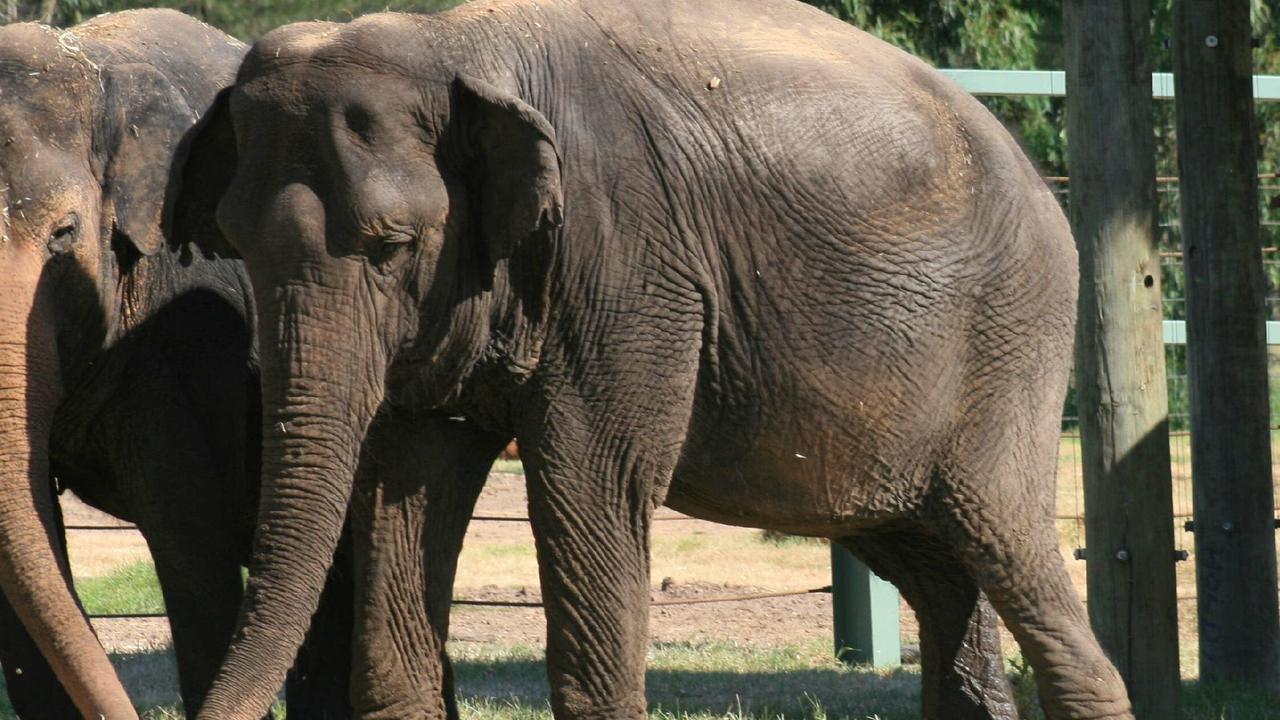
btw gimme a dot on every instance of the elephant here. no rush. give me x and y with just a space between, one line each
129 369
738 258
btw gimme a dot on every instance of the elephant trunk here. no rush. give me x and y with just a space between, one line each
314 421
33 574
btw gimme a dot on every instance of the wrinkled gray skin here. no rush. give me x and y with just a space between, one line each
739 258
127 365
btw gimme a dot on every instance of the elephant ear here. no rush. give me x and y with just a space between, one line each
204 166
143 121
518 177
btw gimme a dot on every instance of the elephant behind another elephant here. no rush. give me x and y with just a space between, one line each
128 369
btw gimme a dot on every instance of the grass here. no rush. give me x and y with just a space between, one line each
705 681
133 588
508 466
700 682
688 681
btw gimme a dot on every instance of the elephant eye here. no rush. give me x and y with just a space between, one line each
397 237
65 235
388 246
360 122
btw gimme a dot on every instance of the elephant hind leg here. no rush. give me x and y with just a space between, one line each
1015 560
962 666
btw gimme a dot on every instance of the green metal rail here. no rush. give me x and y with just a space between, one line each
1053 83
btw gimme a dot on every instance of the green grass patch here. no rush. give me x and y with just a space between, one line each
696 681
514 467
131 589
700 681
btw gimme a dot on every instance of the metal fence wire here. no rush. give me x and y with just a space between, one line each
488 603
1070 510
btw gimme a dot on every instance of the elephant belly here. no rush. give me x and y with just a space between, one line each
818 483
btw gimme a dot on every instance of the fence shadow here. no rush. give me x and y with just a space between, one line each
149 676
519 685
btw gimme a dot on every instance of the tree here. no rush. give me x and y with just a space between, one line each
18 11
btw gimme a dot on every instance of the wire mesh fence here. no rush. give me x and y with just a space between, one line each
1070 507
668 517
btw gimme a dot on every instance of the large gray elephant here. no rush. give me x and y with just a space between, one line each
127 369
740 258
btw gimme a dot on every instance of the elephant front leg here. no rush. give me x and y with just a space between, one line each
591 512
416 488
318 685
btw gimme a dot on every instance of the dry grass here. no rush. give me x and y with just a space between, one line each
99 553
680 550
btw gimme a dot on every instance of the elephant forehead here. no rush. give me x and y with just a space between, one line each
44 114
40 52
382 44
286 46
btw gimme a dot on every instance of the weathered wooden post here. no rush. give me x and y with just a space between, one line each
1226 343
1120 370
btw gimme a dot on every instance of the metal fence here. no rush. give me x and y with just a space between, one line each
667 517
1070 475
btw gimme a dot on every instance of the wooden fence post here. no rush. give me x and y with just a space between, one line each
1120 368
1226 343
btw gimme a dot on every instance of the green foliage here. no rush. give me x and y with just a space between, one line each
245 20
1022 679
1013 35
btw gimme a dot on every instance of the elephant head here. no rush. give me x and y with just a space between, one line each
378 209
89 131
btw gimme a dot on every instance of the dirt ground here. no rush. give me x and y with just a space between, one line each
692 559
770 621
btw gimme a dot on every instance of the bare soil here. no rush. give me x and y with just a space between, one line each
498 564
692 559
679 574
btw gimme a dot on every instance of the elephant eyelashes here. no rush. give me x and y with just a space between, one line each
65 235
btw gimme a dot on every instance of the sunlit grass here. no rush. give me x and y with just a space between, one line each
133 588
